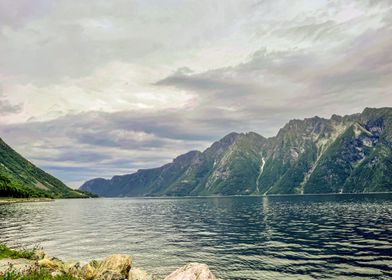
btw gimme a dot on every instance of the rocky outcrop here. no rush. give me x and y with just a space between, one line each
16 264
138 274
115 267
192 271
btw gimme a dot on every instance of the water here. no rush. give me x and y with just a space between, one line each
286 237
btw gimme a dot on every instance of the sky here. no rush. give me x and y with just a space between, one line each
98 88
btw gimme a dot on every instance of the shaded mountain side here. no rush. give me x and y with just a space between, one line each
315 155
21 178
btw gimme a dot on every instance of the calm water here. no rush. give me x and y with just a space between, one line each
292 237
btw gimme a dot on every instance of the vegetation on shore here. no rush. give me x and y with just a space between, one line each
19 178
32 273
6 252
40 274
37 265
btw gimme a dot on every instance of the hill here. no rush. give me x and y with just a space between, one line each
21 178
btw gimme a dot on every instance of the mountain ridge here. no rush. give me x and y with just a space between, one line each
21 178
313 155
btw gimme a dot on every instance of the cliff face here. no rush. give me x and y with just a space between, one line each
342 154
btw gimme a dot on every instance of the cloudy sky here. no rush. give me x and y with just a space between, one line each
96 88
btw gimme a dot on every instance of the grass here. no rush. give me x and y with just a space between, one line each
34 273
7 253
40 274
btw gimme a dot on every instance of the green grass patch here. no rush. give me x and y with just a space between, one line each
24 253
40 274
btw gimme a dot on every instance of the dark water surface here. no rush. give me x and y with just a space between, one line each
286 237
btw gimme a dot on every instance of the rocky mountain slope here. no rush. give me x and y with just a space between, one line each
350 154
21 178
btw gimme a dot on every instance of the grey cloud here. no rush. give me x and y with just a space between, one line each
300 81
333 72
46 41
86 145
6 107
16 13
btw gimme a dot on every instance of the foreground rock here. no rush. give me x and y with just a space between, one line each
16 264
115 267
192 271
138 274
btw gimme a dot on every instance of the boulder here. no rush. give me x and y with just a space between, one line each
138 274
40 254
110 275
87 272
73 269
192 271
95 264
18 265
114 267
53 264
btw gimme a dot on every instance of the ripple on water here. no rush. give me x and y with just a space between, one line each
308 237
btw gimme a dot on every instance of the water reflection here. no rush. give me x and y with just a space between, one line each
308 237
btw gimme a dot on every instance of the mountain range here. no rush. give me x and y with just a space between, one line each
343 154
21 178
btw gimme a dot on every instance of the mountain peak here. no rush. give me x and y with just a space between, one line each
312 155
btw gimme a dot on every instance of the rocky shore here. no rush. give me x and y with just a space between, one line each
10 200
114 267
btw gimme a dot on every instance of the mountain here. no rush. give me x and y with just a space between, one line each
21 178
349 154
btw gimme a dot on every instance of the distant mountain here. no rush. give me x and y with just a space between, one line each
350 154
21 178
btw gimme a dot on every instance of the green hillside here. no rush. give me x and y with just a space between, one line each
349 154
21 178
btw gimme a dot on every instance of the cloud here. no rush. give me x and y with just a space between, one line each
298 81
108 88
6 108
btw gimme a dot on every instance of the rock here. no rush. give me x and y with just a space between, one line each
95 264
116 266
87 272
40 254
192 271
110 275
73 269
56 273
51 264
138 274
18 265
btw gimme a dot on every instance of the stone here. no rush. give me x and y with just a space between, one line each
95 264
40 254
51 264
18 265
87 272
138 274
73 269
192 271
56 273
116 265
110 275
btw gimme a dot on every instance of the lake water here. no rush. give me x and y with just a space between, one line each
282 237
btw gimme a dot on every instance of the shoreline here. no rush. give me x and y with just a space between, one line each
12 200
244 196
36 264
